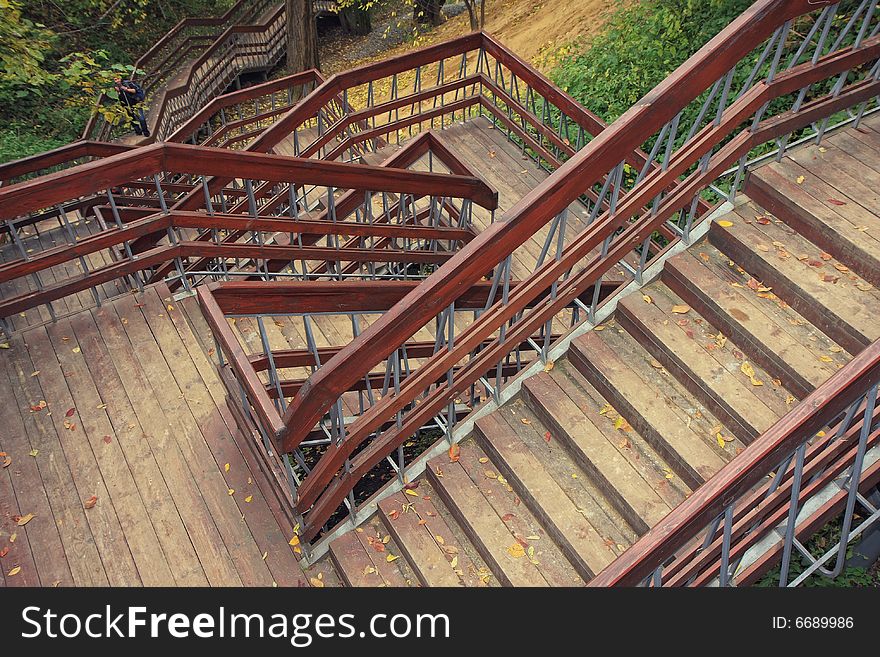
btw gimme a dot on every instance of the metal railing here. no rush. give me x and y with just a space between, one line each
816 462
758 81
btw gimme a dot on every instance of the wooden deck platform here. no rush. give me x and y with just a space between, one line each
124 465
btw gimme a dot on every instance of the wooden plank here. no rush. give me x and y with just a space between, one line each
484 528
182 394
223 442
68 516
396 572
720 389
845 231
579 540
103 520
847 315
352 561
646 409
132 437
755 332
628 492
416 525
122 494
138 376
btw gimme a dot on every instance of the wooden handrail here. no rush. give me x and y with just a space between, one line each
535 209
86 179
59 156
761 458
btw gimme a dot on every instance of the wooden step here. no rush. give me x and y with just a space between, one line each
717 382
703 279
644 404
841 304
481 523
840 219
602 462
427 542
367 556
638 452
579 541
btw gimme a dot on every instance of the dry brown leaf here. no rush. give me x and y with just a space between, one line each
23 520
454 453
91 502
682 309
525 420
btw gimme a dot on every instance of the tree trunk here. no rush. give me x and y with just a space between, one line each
472 14
302 36
483 14
355 20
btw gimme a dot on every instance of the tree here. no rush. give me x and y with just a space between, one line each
472 14
302 36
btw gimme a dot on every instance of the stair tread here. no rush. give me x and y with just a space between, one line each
418 529
680 350
835 305
643 458
831 217
395 573
581 542
721 293
352 562
601 459
647 404
556 460
491 536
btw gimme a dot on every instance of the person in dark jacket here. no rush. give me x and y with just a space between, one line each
131 95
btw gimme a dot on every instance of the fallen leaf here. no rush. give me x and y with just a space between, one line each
454 453
314 581
15 571
762 219
681 309
828 278
507 517
226 467
864 287
392 557
91 502
549 366
108 440
23 520
484 459
525 420
826 359
70 412
249 499
825 256
4 552
747 369
7 461
840 267
800 180
656 364
547 436
724 223
411 492
411 485
763 247
516 550
293 542
490 475
647 299
834 201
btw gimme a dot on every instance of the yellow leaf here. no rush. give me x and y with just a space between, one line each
294 541
14 571
747 369
484 459
720 440
681 309
316 582
265 554
230 491
75 350
826 359
605 409
800 180
549 366
392 557
490 475
516 550
454 562
249 498
226 467
724 223
647 299
4 345
411 492
439 539
25 520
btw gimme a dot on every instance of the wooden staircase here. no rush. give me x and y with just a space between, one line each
595 450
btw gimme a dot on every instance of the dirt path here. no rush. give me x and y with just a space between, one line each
535 30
